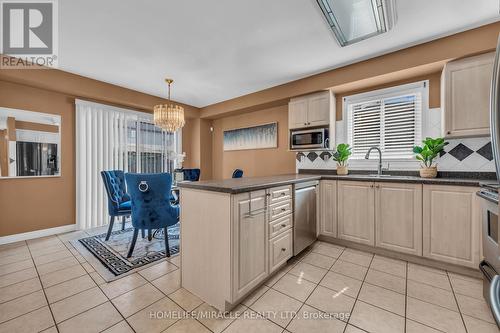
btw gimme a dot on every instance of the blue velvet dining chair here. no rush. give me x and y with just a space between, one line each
118 199
151 206
238 173
192 175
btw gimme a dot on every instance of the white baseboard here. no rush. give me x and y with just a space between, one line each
36 234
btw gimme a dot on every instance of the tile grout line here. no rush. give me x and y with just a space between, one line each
406 296
456 301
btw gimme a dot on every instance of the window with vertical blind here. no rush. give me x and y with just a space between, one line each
390 119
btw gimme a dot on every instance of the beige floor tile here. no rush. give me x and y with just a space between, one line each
477 308
121 327
122 285
51 257
35 321
434 316
341 283
357 257
137 299
414 327
168 283
57 265
94 320
309 319
277 275
62 275
373 319
42 242
462 277
328 250
97 278
48 250
389 265
69 288
479 326
52 329
330 301
88 267
295 286
76 304
14 258
429 276
318 260
308 272
215 320
255 295
185 299
251 322
276 307
22 305
426 268
156 317
13 249
19 289
430 294
347 268
353 329
387 281
153 272
16 277
187 326
67 236
16 266
472 288
383 298
176 260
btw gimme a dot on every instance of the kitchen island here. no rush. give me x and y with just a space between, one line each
236 233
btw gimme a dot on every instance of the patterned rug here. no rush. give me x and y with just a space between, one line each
113 253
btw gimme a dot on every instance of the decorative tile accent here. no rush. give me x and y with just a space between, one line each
299 156
312 156
325 156
460 152
441 153
486 152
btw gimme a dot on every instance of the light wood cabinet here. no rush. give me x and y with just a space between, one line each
398 217
310 111
328 208
250 245
465 89
356 211
451 224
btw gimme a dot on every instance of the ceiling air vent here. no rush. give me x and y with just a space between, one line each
355 20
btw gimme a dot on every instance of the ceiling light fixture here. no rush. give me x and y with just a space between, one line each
355 20
169 117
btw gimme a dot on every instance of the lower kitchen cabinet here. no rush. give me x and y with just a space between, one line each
398 217
328 208
356 211
451 224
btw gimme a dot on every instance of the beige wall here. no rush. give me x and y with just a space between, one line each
255 162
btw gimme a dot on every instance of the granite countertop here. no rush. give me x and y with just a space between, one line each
240 185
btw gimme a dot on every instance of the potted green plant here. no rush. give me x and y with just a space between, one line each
427 153
341 156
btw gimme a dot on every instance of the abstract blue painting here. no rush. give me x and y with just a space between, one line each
255 137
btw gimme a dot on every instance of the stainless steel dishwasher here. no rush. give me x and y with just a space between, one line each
304 215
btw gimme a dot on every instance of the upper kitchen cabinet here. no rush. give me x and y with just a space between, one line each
465 96
311 110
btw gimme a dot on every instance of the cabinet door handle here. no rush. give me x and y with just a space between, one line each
283 209
282 194
283 225
283 249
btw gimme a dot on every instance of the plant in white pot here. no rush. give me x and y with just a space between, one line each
341 156
427 153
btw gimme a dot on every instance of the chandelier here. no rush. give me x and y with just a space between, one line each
168 116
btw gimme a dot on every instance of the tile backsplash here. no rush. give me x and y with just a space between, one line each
467 154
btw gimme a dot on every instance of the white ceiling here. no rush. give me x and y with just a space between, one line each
220 49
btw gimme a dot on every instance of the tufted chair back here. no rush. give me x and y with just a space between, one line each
114 182
191 174
150 198
237 173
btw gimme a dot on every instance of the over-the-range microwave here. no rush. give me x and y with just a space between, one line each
314 138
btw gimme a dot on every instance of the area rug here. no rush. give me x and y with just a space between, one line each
113 253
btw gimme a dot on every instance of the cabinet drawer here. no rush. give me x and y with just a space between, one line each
280 209
280 225
278 194
280 250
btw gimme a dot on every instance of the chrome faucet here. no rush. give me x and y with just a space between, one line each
367 156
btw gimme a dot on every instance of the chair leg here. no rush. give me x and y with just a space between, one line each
167 247
143 233
150 235
123 222
110 228
132 245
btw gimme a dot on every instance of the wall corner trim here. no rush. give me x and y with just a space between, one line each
36 234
